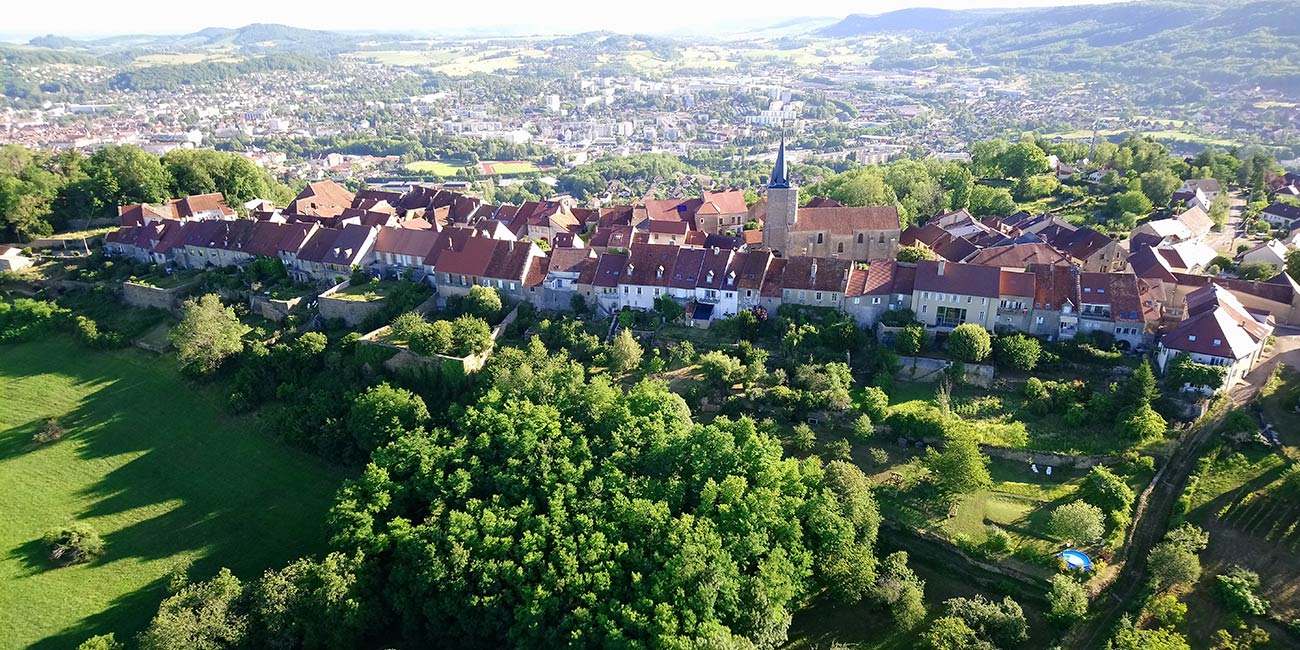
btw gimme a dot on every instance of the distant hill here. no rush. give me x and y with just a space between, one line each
53 42
905 20
258 38
1164 40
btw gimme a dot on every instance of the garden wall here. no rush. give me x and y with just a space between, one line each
352 312
145 296
273 309
404 358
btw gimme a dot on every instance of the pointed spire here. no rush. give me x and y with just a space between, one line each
779 179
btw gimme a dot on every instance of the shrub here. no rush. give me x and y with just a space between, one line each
1171 564
1068 600
483 302
839 450
102 642
1166 610
49 432
1143 423
1237 588
470 335
406 325
1078 522
74 544
431 338
803 438
878 456
1102 488
898 317
875 403
1018 351
911 340
863 428
969 343
923 421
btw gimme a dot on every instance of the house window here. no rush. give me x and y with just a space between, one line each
1039 320
857 301
512 286
749 294
819 238
819 296
638 291
839 248
876 300
625 291
925 308
859 238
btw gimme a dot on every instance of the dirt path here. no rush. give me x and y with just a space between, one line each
1153 516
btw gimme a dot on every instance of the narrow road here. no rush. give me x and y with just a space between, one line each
1153 515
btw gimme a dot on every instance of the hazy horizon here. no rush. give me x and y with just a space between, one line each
84 19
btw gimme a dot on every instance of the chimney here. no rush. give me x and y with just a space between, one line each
941 265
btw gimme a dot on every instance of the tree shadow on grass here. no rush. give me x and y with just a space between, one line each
34 556
179 478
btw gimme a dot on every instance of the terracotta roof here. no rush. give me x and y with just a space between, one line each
401 241
846 220
1056 286
749 267
270 239
471 257
772 280
1147 263
816 273
651 264
191 205
322 197
536 272
339 246
1020 256
1119 291
1017 283
571 260
888 277
728 202
610 270
134 215
1217 325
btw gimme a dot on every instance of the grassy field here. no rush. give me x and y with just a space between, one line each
486 168
155 467
434 167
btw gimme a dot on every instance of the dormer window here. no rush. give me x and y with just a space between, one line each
659 273
1217 342
630 268
1191 337
709 278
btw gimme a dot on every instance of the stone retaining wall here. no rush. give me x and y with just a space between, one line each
274 309
145 296
352 312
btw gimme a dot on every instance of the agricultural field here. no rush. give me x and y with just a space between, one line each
156 468
1243 497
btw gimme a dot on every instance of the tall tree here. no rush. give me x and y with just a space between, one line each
208 333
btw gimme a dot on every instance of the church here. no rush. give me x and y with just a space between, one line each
856 233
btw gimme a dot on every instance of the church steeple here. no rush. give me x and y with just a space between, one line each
779 180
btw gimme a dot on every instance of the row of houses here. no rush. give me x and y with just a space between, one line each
1022 273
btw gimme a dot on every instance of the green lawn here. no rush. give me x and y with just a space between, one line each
434 167
156 468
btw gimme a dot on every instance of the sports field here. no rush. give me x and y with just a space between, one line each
485 168
151 463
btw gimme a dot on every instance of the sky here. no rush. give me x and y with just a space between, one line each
83 18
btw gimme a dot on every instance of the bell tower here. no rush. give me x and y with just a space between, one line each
782 205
